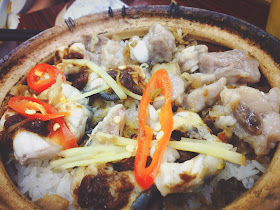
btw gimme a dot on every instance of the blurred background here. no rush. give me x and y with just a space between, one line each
38 15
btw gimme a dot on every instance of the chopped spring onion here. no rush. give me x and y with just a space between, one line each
116 140
86 150
89 93
72 159
101 158
77 156
122 141
131 94
209 149
213 143
216 149
101 72
125 148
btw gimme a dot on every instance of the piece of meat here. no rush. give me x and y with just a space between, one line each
252 97
271 127
29 147
204 96
52 202
178 88
251 121
93 43
256 114
113 123
200 79
235 65
255 99
76 121
183 177
70 92
259 143
188 59
178 85
102 40
160 43
274 98
28 138
190 124
265 141
112 54
225 122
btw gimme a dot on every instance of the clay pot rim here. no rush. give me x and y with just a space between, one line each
224 29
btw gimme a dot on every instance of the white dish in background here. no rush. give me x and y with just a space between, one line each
85 7
22 6
10 20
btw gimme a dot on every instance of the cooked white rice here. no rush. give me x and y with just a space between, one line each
37 180
248 174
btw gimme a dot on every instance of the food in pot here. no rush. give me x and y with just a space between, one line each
148 122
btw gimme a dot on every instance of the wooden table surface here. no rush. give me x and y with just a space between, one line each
252 11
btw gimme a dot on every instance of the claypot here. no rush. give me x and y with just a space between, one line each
200 24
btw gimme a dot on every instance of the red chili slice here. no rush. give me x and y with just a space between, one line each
145 176
43 76
27 105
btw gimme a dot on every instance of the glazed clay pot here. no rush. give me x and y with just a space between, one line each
200 24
